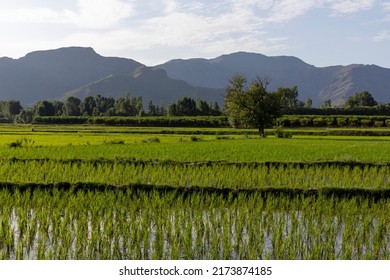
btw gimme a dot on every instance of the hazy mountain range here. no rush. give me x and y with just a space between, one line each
80 72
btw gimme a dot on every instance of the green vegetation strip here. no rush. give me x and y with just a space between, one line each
89 221
227 193
216 176
209 163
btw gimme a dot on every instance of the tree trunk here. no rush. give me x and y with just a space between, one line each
261 132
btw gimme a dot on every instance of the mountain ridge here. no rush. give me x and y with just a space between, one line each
318 83
48 74
77 71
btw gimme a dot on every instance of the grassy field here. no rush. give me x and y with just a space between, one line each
162 193
88 142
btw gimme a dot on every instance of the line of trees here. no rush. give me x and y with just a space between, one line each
360 103
101 106
252 105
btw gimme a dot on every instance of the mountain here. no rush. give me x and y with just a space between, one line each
48 74
151 84
76 71
334 82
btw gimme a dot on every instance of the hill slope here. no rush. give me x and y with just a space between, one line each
335 82
56 74
48 74
151 84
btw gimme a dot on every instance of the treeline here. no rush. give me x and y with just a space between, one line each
288 121
161 121
74 110
100 106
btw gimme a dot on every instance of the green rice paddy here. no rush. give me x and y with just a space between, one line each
88 192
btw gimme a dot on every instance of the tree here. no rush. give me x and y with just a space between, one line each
290 96
72 106
44 108
216 111
25 116
172 110
360 99
152 109
308 103
186 106
103 104
58 106
252 105
327 103
9 109
87 106
202 107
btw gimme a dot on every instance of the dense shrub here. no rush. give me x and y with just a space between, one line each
353 121
379 124
305 121
342 121
222 121
60 120
281 133
319 122
366 122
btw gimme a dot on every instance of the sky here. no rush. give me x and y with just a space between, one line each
320 32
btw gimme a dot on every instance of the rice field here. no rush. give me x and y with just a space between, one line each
76 192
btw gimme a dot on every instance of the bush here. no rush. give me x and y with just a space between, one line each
151 140
354 122
342 121
319 122
115 142
366 122
305 121
379 124
330 121
224 138
281 133
195 139
23 142
294 121
16 144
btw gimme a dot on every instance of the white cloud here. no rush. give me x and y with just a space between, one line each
177 27
386 6
349 6
181 27
33 15
285 10
95 14
382 36
170 6
102 13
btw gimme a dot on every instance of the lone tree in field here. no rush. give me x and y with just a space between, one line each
252 105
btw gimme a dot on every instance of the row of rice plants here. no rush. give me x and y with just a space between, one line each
58 224
188 175
252 150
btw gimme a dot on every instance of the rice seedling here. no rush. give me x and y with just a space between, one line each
159 225
219 176
300 198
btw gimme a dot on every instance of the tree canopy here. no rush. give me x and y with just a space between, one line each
252 105
360 99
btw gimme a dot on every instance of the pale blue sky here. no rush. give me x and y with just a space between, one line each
321 32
